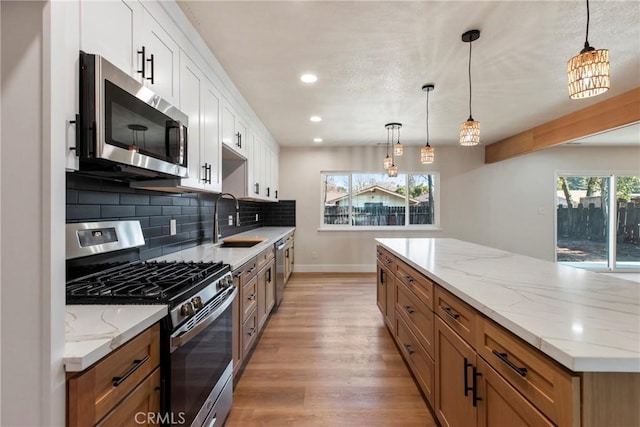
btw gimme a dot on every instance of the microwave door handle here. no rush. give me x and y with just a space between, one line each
182 138
180 338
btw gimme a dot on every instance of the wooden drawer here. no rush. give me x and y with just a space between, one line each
263 259
140 408
246 272
421 363
249 297
552 389
97 390
417 315
385 258
416 281
249 332
457 314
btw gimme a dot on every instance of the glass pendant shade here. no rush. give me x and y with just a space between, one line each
427 155
392 171
387 162
470 133
588 73
398 149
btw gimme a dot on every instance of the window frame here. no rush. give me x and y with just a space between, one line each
349 227
611 224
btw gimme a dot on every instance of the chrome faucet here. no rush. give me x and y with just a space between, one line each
216 222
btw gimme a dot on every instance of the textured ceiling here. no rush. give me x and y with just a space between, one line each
372 59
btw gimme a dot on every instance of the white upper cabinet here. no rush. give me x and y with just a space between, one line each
124 33
191 88
112 29
161 60
210 148
274 162
233 130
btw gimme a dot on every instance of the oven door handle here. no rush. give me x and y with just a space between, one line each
180 337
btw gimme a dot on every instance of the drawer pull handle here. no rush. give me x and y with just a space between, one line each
450 313
389 261
251 297
409 309
505 358
136 364
475 397
408 278
251 332
409 349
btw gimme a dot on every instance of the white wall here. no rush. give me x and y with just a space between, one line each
31 224
508 205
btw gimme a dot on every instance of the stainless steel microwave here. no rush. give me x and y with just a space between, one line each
125 131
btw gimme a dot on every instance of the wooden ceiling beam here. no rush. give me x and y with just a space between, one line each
611 113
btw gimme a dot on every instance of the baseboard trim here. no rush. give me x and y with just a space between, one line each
334 268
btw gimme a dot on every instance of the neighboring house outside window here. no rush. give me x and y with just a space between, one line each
374 200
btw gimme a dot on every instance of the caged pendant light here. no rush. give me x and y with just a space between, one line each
387 160
398 148
427 154
588 71
470 130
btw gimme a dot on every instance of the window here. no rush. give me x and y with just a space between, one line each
375 200
598 221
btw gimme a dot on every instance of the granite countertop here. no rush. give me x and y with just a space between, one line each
586 321
233 256
94 331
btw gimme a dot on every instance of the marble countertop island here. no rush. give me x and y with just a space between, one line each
586 321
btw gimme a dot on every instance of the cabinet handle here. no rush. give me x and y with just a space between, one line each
381 277
204 167
450 313
408 278
238 136
144 61
240 141
251 270
409 349
467 365
256 188
251 332
136 364
268 191
505 358
151 61
474 396
76 124
409 309
269 275
389 261
276 194
209 170
251 297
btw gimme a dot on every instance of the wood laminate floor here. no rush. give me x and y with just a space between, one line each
326 359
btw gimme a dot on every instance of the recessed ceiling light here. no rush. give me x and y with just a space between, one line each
315 118
317 139
309 78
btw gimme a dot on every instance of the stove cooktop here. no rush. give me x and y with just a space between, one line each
144 283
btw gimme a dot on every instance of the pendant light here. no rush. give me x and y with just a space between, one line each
588 71
392 170
398 148
427 154
387 160
470 130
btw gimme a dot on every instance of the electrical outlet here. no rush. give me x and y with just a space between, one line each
172 227
257 217
230 219
314 255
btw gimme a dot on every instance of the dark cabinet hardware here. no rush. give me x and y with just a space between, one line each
381 277
409 309
251 297
409 349
204 167
251 332
505 358
76 126
256 188
474 396
151 61
238 139
209 170
269 275
276 194
136 364
467 365
389 261
251 269
450 313
143 62
408 278
268 191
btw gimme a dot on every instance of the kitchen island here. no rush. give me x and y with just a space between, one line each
582 327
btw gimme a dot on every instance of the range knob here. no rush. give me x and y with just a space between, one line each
197 303
226 282
187 309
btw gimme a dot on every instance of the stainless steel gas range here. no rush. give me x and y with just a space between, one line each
103 267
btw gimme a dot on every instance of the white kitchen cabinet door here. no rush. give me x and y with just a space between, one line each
241 136
161 62
251 160
210 148
229 127
274 170
191 87
266 172
257 186
111 29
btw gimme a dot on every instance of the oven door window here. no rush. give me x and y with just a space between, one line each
134 125
197 366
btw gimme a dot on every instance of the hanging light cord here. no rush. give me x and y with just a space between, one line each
470 115
387 142
427 118
586 37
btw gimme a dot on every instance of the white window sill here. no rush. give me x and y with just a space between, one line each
382 228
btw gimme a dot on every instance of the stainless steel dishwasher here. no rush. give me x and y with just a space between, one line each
280 247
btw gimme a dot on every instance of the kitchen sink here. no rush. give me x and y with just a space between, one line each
240 243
